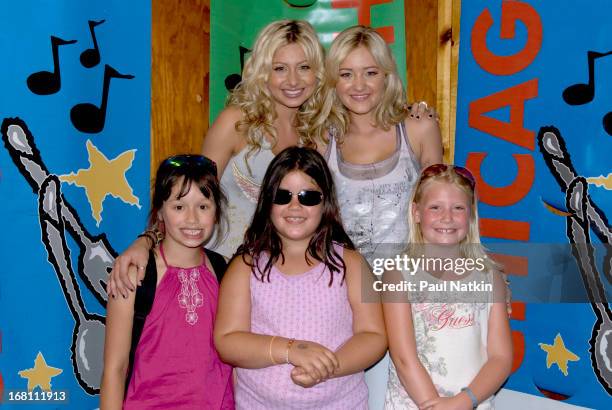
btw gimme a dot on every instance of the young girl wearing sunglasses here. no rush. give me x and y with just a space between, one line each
291 314
174 364
450 350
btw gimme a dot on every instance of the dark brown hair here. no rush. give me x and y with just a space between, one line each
187 169
261 236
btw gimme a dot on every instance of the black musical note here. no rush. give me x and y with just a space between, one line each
48 82
607 122
91 57
90 118
581 93
578 94
232 80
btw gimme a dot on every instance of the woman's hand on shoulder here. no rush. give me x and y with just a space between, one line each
223 141
125 300
420 109
425 137
119 281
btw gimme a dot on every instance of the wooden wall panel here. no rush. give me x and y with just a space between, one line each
445 39
179 76
432 48
454 81
421 18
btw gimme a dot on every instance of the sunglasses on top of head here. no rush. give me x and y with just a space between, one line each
192 160
437 169
305 197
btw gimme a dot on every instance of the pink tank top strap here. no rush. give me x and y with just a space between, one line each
161 252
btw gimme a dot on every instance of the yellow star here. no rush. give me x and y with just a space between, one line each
104 177
40 375
605 182
557 353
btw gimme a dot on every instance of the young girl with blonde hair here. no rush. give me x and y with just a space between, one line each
450 350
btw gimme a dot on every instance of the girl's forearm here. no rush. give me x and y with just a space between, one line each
360 352
250 350
416 381
145 242
112 390
490 377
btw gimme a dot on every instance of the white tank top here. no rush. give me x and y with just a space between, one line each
241 186
374 197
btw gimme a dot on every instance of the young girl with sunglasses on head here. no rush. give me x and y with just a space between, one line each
175 364
447 354
291 316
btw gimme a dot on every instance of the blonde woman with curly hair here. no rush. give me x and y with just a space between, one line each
374 149
269 110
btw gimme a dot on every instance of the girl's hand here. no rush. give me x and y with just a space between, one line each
137 255
316 360
301 378
460 401
420 109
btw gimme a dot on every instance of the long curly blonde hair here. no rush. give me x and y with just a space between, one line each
332 114
252 95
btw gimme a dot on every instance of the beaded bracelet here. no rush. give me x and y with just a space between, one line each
154 235
149 238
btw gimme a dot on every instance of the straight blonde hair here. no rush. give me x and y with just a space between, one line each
332 114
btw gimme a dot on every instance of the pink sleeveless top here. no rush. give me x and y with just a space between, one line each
176 364
303 307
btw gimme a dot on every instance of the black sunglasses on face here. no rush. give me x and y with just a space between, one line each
305 197
182 160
